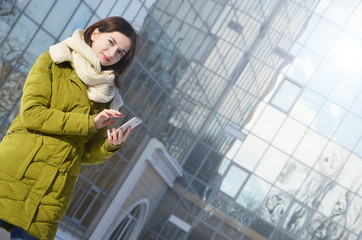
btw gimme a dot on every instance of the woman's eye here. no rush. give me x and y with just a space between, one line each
110 41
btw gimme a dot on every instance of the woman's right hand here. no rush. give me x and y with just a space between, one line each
103 118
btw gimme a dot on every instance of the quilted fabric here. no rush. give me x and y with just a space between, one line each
42 152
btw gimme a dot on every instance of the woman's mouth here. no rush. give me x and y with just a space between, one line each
105 57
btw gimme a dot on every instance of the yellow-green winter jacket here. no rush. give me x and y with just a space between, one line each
42 152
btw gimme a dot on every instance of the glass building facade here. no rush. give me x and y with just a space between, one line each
259 101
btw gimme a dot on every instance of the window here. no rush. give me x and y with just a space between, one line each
233 180
286 95
132 222
205 49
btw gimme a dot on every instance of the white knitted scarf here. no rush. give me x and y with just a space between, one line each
100 84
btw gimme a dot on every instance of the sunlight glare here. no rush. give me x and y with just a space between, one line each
347 52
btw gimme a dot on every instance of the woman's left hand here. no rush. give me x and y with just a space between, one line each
117 139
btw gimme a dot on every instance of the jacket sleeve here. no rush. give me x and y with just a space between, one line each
35 110
98 149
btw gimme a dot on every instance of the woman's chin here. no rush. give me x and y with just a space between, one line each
104 63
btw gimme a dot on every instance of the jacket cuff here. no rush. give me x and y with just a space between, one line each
111 148
91 125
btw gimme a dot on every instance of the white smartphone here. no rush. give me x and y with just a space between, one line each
133 122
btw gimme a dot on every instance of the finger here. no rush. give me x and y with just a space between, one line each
109 134
120 132
114 134
125 135
103 118
113 113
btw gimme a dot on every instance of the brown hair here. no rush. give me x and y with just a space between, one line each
115 24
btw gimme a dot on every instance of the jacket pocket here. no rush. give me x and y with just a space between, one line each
65 193
30 157
17 149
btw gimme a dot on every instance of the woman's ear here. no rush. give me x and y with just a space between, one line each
94 34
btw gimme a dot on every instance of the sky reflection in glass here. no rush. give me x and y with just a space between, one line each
233 180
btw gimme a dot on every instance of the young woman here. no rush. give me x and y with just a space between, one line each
69 97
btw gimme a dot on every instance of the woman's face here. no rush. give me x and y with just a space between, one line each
109 47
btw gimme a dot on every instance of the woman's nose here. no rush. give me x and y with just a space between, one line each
113 52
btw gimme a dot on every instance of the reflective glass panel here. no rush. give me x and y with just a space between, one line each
292 176
188 208
255 116
105 7
347 89
280 235
350 176
289 135
195 158
322 227
325 78
171 231
140 18
214 14
309 28
201 232
356 107
354 23
286 95
346 52
18 38
331 160
253 193
304 66
310 147
354 215
93 3
38 9
296 218
261 227
335 203
132 10
358 148
119 8
314 187
250 152
275 206
307 106
20 3
234 149
339 11
209 169
38 45
60 13
233 180
223 166
241 214
210 216
232 229
328 119
4 71
10 93
8 15
79 20
349 131
268 123
4 126
271 164
322 37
